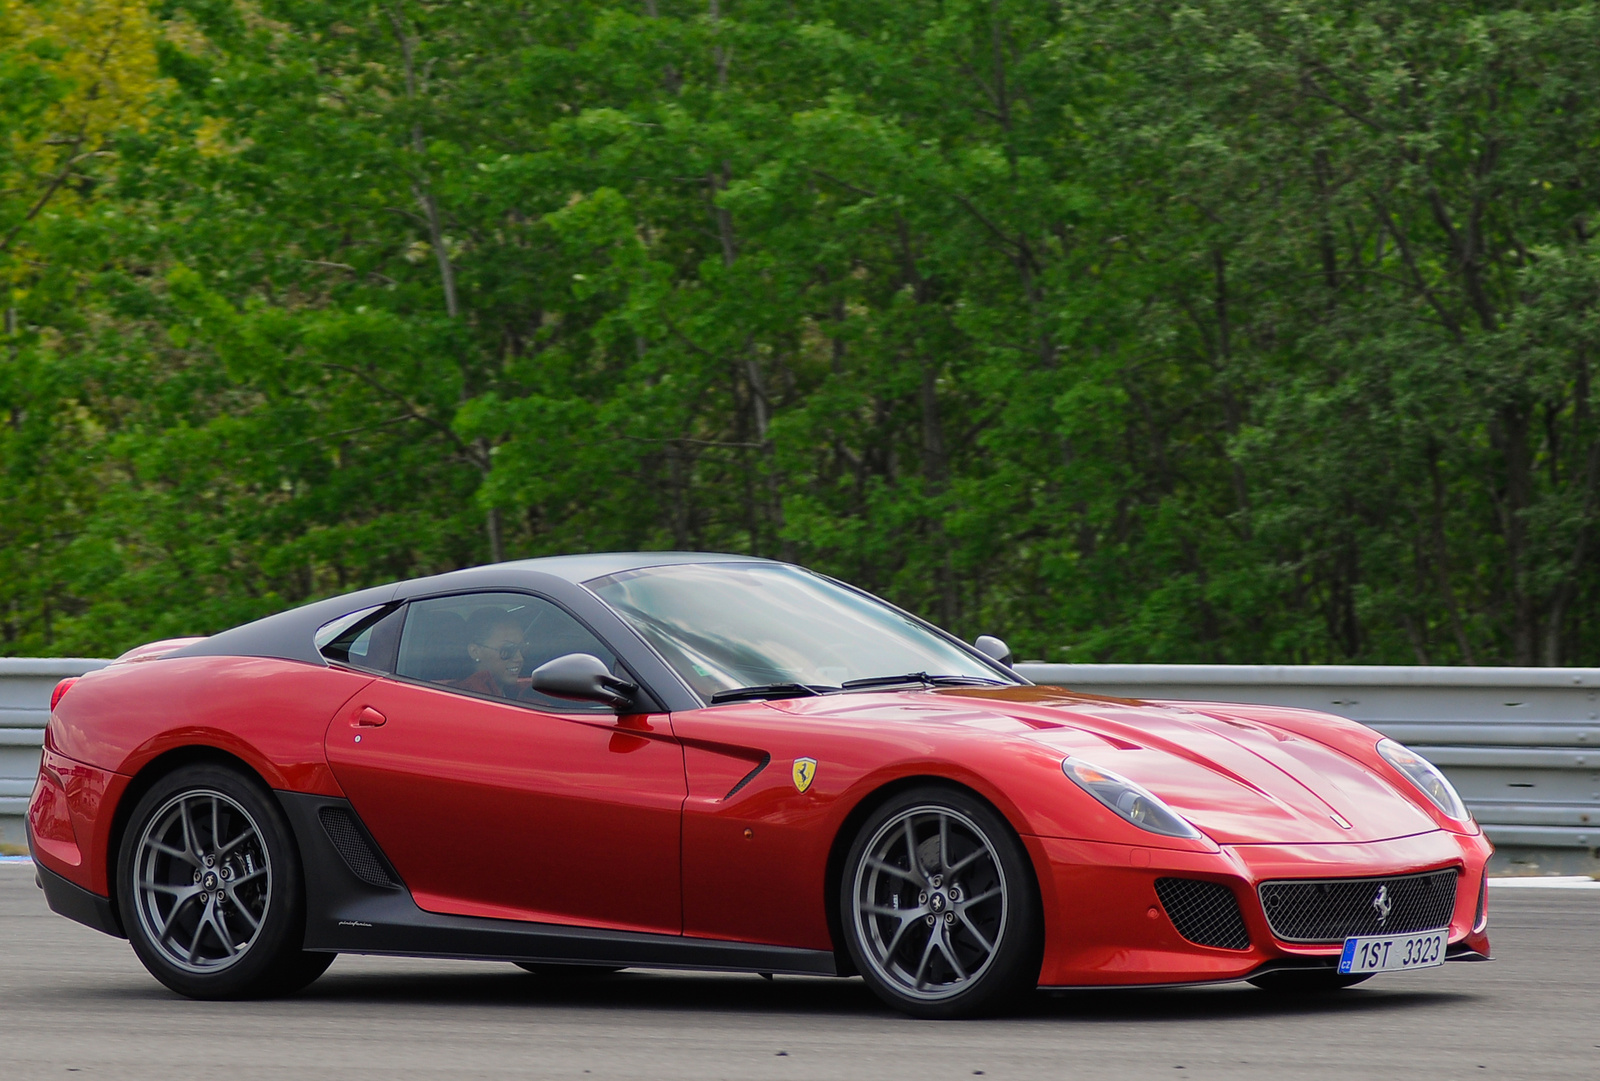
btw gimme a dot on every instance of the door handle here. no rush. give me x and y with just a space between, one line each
370 718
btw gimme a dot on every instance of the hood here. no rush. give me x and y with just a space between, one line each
1241 781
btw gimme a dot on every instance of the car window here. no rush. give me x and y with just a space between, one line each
364 639
730 625
488 644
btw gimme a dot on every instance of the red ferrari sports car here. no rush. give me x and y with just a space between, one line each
714 762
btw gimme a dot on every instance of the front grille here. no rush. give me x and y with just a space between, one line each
1205 913
1331 910
354 848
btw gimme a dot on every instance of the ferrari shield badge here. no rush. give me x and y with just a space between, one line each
805 769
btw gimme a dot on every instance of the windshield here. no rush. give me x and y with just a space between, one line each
725 626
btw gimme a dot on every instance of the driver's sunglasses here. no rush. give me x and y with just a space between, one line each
507 651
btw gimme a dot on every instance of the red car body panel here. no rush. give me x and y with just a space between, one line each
270 713
691 823
66 820
450 774
753 861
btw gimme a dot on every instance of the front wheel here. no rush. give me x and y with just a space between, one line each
940 912
209 887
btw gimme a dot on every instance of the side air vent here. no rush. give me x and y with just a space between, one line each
354 847
1205 913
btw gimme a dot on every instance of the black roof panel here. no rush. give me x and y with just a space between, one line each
290 634
582 568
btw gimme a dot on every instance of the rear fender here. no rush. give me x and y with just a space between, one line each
269 713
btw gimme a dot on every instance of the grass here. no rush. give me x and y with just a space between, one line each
12 850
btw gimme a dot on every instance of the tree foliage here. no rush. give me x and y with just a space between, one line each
1231 331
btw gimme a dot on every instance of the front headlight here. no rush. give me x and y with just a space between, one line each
1128 800
1426 776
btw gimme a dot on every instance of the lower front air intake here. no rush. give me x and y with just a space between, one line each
1205 913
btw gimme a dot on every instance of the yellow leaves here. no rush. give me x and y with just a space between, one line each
212 141
103 53
90 70
181 31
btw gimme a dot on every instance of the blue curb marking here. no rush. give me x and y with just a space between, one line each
16 859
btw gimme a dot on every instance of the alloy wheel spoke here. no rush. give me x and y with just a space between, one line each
902 914
189 845
244 835
972 929
968 902
967 860
243 910
172 916
899 933
927 952
199 929
216 825
889 868
242 879
219 923
944 844
948 949
168 850
182 893
911 851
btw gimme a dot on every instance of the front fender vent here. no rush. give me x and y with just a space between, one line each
353 847
1205 913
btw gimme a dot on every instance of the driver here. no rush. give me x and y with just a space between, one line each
494 642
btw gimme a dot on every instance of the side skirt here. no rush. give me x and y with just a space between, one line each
346 913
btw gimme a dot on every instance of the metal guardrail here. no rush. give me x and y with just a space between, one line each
1521 745
25 686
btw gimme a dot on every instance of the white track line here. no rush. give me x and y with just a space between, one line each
1550 882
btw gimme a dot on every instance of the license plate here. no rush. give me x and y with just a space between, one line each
1393 953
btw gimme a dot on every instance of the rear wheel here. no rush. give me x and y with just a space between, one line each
939 908
1302 981
210 891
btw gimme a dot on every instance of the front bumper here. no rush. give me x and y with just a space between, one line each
1105 925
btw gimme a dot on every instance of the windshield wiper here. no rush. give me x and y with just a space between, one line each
923 678
771 690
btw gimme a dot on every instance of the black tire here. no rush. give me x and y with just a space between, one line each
210 888
1306 981
549 971
960 934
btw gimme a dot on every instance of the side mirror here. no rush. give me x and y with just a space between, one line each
583 676
994 649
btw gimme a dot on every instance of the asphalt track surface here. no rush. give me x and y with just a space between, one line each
75 1003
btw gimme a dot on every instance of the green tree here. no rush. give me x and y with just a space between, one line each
1228 332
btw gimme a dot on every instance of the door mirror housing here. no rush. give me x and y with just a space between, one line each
993 648
583 676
